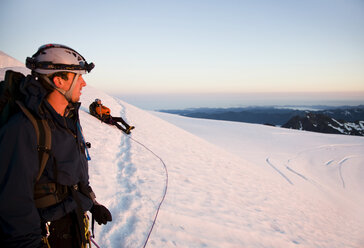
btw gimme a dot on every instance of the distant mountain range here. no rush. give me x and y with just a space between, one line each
325 119
324 124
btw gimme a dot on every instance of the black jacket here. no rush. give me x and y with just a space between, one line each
19 218
92 109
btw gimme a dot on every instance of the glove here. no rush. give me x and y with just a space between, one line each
101 214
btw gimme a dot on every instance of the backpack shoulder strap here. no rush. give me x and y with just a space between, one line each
44 139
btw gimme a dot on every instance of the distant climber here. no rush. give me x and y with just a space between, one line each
103 113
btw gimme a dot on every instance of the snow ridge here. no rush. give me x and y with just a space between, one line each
8 61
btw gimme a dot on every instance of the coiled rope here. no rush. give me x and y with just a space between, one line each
165 188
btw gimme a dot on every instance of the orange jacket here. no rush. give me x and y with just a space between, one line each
102 110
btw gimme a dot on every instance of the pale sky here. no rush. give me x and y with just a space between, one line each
199 46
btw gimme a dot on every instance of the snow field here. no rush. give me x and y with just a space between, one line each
215 197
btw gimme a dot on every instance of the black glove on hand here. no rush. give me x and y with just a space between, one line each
101 214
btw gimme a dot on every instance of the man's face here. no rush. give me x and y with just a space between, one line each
79 84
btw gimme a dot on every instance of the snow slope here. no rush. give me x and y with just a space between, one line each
229 184
260 144
284 193
7 62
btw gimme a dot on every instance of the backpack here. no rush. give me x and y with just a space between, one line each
92 109
12 102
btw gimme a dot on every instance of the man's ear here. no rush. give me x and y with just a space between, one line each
58 82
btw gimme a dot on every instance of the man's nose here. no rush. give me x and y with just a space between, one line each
83 82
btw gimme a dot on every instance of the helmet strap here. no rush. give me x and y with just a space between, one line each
67 94
52 84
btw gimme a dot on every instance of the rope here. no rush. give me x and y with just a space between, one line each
93 241
165 188
164 193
